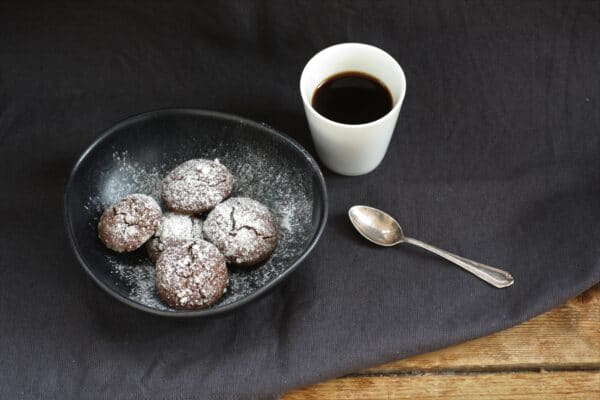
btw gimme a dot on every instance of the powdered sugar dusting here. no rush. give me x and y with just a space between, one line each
259 173
179 226
191 274
128 223
126 176
243 229
196 186
138 278
132 177
174 228
287 191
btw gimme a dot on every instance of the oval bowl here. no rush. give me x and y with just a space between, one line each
135 154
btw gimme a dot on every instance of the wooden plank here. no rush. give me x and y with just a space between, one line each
563 338
499 386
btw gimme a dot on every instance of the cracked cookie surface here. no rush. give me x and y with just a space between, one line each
243 229
173 229
196 186
191 275
128 223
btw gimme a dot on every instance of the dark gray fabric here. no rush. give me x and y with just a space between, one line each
496 157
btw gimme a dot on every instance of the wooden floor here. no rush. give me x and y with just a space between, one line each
553 356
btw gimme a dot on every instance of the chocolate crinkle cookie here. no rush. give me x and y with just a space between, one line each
127 224
243 229
196 186
173 229
191 275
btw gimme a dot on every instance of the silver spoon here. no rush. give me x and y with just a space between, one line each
380 228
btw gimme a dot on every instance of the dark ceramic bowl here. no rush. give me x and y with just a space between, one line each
134 155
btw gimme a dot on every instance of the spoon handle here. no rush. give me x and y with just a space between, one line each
494 276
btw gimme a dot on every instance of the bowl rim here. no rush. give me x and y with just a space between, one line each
211 114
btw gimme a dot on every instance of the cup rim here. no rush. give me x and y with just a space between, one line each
397 105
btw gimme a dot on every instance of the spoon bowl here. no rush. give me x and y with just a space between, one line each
376 225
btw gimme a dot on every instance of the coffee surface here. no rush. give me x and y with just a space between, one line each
352 97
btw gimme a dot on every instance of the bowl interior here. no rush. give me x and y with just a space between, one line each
133 156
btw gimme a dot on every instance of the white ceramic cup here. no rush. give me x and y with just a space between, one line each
344 148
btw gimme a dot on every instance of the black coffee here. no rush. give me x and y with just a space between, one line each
352 98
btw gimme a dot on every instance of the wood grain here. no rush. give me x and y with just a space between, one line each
499 386
563 338
553 356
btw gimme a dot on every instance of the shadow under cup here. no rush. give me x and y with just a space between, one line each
344 148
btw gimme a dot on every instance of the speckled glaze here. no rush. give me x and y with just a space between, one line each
136 154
